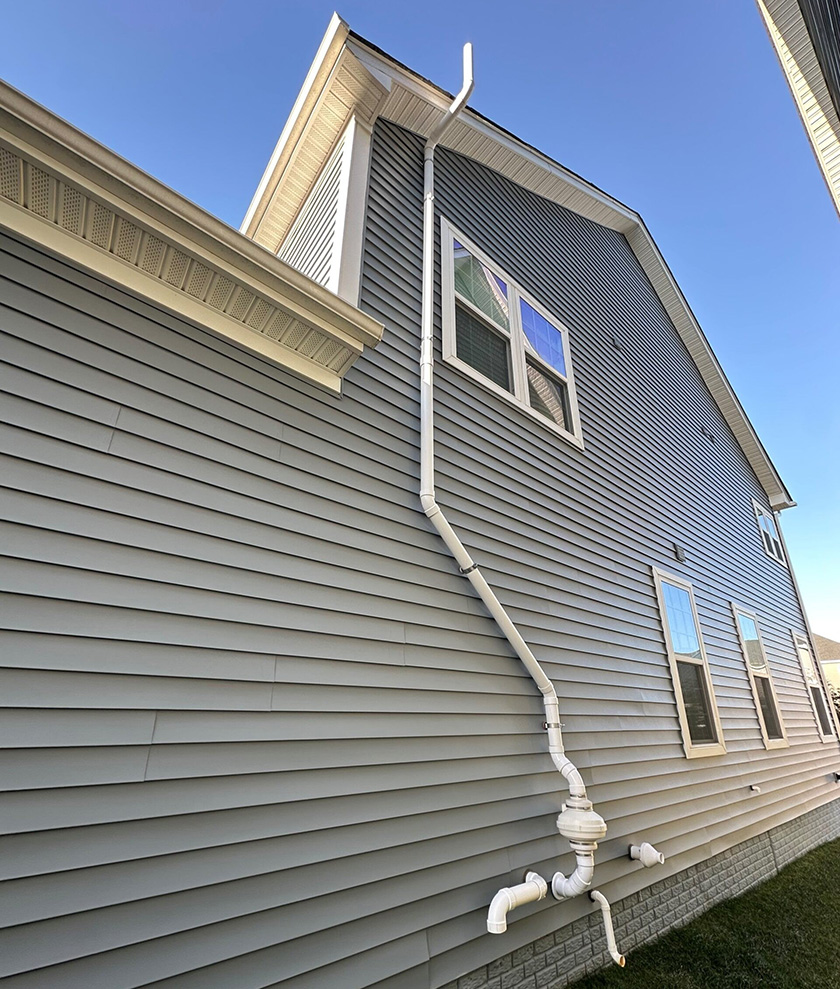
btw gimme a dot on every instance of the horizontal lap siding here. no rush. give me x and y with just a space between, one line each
311 241
248 700
259 730
568 537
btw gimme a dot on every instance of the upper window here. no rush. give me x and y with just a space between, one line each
698 713
814 685
501 336
769 533
772 728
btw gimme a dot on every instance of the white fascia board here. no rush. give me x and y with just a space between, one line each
316 78
379 66
103 264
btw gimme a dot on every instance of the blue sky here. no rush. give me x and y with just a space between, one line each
679 110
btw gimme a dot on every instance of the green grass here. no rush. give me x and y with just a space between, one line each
785 934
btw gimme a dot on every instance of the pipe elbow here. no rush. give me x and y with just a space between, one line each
579 881
570 773
509 897
497 914
598 897
430 506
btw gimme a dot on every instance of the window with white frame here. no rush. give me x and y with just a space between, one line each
696 706
500 335
769 530
758 670
814 686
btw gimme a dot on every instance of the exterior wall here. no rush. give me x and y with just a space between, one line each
310 245
260 731
568 537
250 702
559 959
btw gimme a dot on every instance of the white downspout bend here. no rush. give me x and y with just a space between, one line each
458 103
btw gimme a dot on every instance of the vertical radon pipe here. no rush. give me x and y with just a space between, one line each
578 821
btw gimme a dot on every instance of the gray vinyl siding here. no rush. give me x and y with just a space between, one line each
310 244
260 732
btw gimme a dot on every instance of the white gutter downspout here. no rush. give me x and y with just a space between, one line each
578 822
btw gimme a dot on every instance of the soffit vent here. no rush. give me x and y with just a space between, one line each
71 209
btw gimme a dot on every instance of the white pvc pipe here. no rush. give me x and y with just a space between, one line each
427 450
534 888
606 913
579 881
579 822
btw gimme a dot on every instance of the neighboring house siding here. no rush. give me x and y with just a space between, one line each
286 745
828 653
310 245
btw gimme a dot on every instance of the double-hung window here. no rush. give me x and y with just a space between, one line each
814 686
696 706
500 335
769 533
764 694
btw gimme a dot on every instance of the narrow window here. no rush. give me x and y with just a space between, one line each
769 532
758 670
482 318
814 686
499 335
698 713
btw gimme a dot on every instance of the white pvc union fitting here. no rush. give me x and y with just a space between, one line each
646 854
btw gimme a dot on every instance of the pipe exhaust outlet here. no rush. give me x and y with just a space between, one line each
646 854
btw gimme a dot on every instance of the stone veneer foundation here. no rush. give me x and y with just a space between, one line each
558 959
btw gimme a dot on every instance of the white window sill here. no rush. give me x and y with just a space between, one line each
703 751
